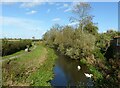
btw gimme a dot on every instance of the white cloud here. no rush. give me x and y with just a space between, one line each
66 6
51 3
8 3
73 24
31 4
48 10
56 19
13 21
21 27
63 6
20 22
67 10
31 12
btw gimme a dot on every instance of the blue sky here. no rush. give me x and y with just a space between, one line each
24 20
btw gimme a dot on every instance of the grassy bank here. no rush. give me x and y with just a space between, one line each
45 73
97 75
32 68
105 74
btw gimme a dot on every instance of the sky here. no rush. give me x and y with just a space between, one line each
28 19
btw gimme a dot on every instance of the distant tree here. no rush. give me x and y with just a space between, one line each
112 33
33 37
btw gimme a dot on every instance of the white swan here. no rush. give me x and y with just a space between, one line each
88 75
26 50
78 67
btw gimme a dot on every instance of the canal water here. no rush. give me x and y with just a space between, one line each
67 74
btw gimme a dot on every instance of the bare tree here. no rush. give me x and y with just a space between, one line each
81 12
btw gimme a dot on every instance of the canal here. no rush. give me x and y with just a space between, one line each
67 74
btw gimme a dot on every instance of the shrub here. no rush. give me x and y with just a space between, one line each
97 53
10 47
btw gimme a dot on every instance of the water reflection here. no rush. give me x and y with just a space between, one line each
67 74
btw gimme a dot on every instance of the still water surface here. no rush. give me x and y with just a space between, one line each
66 73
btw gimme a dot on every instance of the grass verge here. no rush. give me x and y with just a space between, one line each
34 68
45 73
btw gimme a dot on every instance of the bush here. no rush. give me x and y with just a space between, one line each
83 61
71 42
96 73
98 55
10 47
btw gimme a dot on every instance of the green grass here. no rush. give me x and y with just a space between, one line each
32 68
96 73
45 73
